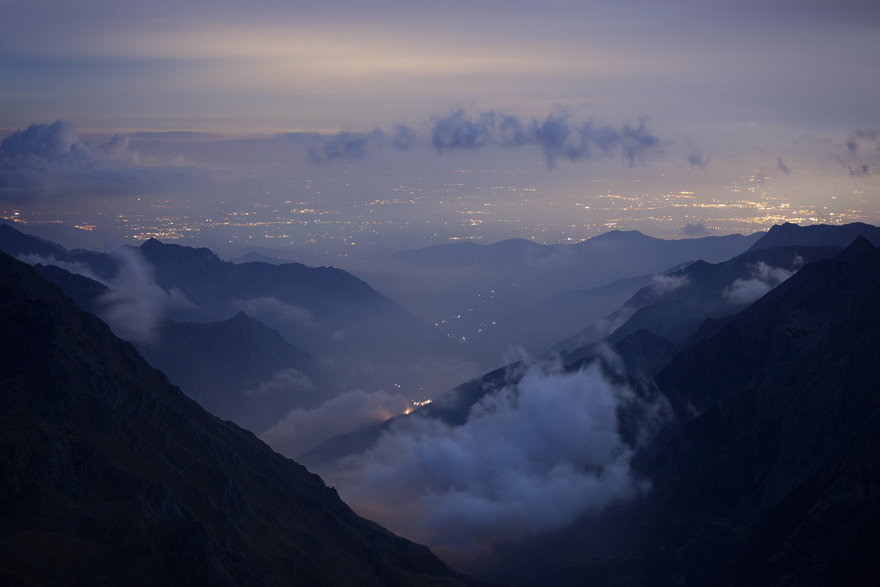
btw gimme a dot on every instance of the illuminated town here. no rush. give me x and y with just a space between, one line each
327 225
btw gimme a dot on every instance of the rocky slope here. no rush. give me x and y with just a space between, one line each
769 474
110 475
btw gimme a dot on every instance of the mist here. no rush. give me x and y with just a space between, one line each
531 457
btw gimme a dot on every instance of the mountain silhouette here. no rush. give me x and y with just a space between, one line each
768 474
110 475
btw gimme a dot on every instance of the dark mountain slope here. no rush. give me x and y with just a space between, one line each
772 474
109 475
219 364
817 235
15 243
222 364
370 340
675 304
780 472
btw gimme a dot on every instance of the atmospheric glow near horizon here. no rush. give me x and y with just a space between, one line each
764 112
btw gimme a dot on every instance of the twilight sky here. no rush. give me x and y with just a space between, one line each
680 96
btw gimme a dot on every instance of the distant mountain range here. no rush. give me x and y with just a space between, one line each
518 293
838 235
362 337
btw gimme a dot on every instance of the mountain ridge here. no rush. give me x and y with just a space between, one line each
112 474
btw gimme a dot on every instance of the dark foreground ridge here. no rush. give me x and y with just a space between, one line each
109 475
770 473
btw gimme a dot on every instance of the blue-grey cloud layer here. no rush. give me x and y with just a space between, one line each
47 160
557 136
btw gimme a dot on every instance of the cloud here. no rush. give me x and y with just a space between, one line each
48 160
763 279
696 158
783 167
531 457
273 310
348 146
284 382
116 149
695 229
135 303
861 152
664 284
302 430
456 131
556 136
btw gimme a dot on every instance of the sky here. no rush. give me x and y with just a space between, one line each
291 109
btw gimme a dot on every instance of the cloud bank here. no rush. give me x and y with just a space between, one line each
557 136
302 430
531 457
51 160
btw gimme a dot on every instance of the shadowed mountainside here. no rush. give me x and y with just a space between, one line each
110 475
770 474
675 304
838 235
369 340
238 369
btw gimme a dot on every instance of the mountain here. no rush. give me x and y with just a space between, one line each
368 340
789 234
675 304
498 279
238 369
769 474
14 242
110 475
256 256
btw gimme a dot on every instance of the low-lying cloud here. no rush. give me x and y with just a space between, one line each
763 279
285 382
664 284
273 310
531 457
134 305
302 430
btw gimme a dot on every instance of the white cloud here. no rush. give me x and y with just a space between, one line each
302 430
530 458
271 310
764 278
664 284
286 381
